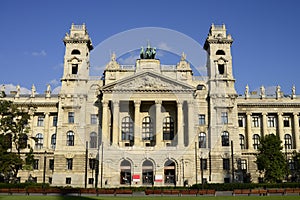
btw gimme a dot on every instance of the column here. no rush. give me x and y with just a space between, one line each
137 124
296 131
180 126
191 132
280 127
46 130
116 133
264 123
105 132
158 123
248 132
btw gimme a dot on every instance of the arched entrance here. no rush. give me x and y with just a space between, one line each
169 172
147 170
125 174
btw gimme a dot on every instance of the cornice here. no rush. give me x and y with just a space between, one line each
269 105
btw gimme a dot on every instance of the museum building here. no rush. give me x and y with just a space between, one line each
152 124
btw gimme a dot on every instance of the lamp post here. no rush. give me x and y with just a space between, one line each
201 166
45 162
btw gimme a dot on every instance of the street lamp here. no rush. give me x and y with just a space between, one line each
44 172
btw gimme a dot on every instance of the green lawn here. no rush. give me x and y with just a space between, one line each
18 197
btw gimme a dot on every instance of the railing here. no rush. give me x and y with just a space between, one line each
127 67
168 67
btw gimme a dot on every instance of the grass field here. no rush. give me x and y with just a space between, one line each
18 197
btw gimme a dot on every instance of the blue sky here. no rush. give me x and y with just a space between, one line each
265 32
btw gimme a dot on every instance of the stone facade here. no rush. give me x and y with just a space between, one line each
150 124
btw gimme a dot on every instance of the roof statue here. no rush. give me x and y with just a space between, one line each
149 53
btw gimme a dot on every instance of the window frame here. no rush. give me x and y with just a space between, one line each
256 141
202 140
70 138
69 163
224 117
40 120
225 139
226 164
94 119
201 118
39 143
93 140
168 128
242 141
147 129
71 117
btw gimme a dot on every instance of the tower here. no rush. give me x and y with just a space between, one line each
222 103
72 109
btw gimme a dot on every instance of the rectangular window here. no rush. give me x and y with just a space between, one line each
68 180
204 164
226 164
91 181
255 121
243 164
241 121
36 164
74 68
286 121
51 164
54 122
69 163
201 119
40 121
92 163
50 180
71 116
271 121
224 117
94 119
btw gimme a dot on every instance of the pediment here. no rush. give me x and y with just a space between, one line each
147 81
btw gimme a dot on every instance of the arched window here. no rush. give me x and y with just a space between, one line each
169 172
75 52
220 52
168 128
125 174
53 141
287 141
147 171
93 140
70 138
39 141
225 138
200 87
256 141
242 141
147 129
127 128
202 140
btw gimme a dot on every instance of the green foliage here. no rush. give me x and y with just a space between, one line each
271 160
13 138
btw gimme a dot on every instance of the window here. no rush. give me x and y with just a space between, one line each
93 140
226 164
202 140
241 121
71 117
70 138
271 121
74 68
36 164
291 164
69 163
75 52
256 141
40 121
91 181
203 165
201 119
68 180
286 121
50 180
242 141
127 128
287 141
94 119
54 122
39 141
147 129
221 69
242 164
92 163
53 141
255 121
168 128
220 52
224 117
225 138
51 164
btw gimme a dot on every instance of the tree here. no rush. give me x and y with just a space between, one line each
270 159
13 138
295 167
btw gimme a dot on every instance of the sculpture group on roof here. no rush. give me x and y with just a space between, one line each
149 53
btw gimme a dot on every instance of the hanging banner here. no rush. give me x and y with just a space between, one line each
158 178
136 178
